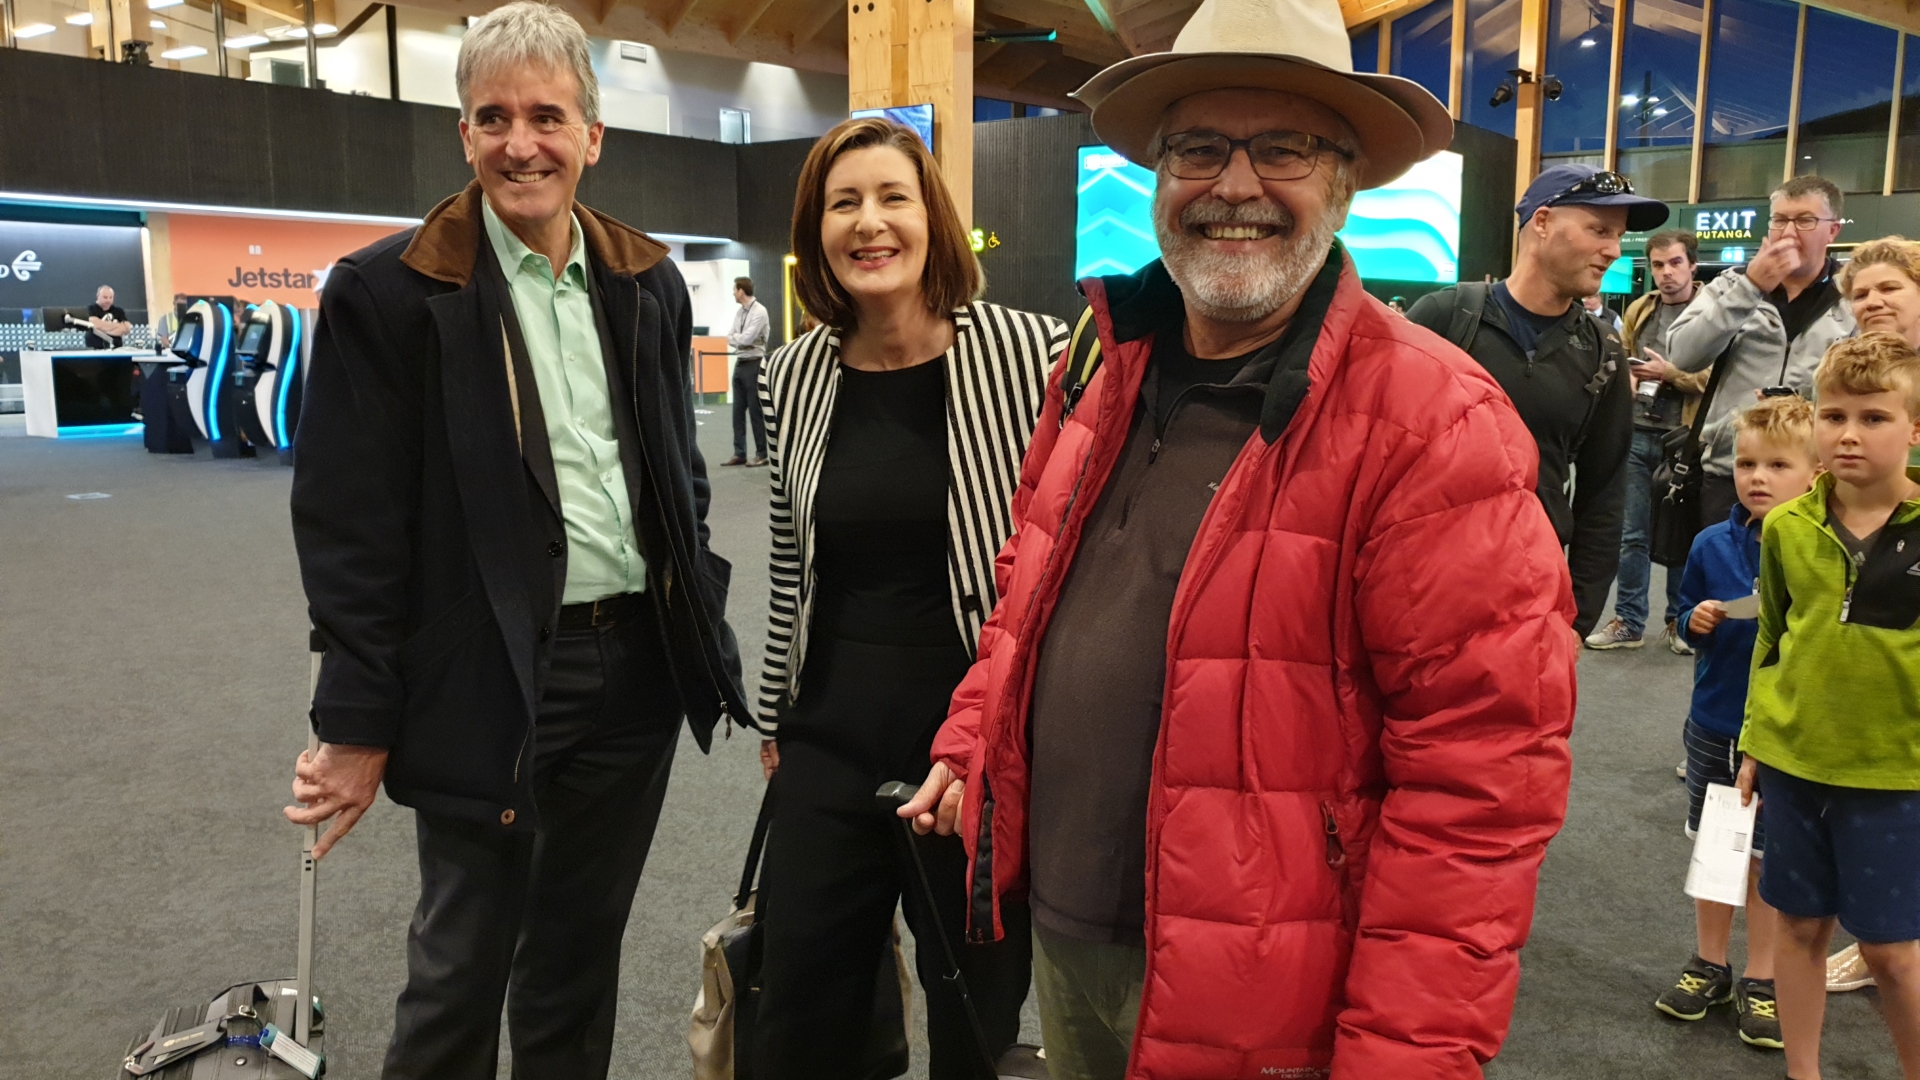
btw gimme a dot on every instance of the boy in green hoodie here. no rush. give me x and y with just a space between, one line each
1832 732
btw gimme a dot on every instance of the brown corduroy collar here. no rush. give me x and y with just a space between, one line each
447 242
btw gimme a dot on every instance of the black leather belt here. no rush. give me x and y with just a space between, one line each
613 609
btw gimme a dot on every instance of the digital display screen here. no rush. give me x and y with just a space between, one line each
254 340
186 340
1408 230
917 117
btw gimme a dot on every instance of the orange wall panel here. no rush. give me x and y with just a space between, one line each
255 259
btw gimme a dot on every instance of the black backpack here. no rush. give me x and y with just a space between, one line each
1470 303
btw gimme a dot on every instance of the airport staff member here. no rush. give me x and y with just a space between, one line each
108 321
500 514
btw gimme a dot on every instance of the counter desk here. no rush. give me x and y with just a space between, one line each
80 392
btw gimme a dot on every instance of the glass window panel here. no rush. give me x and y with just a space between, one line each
1366 49
1749 91
1846 93
1493 49
1579 33
1906 167
1659 76
1423 46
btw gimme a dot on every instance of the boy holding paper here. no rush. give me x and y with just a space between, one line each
1832 728
1774 462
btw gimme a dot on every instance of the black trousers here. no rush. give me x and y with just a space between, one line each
746 407
836 866
535 921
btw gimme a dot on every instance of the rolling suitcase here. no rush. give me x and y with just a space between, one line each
252 1030
1021 1061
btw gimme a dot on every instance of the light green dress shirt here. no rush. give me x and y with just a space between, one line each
563 347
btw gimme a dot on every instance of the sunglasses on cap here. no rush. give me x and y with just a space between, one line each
1600 183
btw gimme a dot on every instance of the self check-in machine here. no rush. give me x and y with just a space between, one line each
201 390
269 375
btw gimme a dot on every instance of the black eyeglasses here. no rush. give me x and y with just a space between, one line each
1600 183
1275 155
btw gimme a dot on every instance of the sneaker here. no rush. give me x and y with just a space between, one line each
1680 770
1759 1019
1847 970
1701 986
736 459
1614 635
1675 642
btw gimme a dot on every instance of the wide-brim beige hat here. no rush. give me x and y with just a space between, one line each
1299 46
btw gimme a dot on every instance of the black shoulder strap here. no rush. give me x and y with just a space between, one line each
1720 366
752 870
1469 303
1083 359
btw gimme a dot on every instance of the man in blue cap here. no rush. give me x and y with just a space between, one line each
1564 371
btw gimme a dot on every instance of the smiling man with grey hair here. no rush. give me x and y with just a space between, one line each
500 514
1269 726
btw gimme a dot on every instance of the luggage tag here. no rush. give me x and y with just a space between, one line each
158 1053
1747 607
302 1060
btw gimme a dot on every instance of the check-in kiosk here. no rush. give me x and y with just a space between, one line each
270 372
200 391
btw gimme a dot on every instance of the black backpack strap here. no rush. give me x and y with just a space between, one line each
1604 371
1083 359
752 870
1469 303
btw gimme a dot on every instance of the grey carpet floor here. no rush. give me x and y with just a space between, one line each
152 678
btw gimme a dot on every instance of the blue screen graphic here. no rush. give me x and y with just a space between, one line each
1406 231
917 117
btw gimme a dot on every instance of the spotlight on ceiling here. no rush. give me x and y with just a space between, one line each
1501 95
1551 87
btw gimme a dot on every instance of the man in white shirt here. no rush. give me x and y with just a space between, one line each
748 340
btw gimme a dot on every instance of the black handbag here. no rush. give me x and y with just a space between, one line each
1675 486
738 943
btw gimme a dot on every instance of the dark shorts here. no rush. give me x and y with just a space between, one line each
1714 759
1847 852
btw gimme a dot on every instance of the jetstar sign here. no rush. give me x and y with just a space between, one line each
23 266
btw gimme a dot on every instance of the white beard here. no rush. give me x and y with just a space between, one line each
1239 288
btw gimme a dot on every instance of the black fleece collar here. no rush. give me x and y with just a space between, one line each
1148 299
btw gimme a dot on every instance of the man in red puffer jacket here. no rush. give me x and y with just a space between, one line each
1269 726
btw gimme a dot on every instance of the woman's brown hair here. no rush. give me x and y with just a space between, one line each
952 276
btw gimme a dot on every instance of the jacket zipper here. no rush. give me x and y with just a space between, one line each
1336 851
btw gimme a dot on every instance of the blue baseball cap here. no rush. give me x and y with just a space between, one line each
1590 185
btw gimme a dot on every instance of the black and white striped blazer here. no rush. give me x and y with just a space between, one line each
996 381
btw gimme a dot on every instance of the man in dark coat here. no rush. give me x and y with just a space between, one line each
500 512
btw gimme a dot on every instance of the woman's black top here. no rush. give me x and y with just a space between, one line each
880 512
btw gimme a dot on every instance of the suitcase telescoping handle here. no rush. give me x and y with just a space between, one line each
891 797
303 971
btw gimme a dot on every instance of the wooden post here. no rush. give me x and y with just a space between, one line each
913 52
1619 49
1527 98
1793 103
1456 70
1384 64
1893 118
1700 103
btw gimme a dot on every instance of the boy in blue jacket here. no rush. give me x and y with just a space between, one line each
1774 462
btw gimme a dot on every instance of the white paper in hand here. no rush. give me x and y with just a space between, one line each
1723 848
1747 607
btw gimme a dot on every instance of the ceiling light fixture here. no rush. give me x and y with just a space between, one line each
246 41
1014 36
157 24
85 18
34 30
184 52
156 5
321 29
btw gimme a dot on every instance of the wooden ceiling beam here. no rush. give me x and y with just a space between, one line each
821 18
677 11
753 17
1361 12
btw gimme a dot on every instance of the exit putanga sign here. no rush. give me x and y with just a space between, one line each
1738 223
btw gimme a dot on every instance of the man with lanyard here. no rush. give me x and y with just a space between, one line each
748 340
1559 365
1664 398
1769 323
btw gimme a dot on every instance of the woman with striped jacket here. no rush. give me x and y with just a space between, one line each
895 432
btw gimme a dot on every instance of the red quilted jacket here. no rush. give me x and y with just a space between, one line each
1363 748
